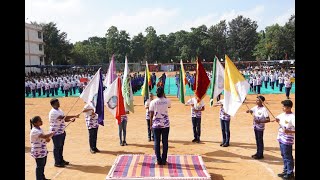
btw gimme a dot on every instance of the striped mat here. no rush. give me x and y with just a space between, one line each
143 166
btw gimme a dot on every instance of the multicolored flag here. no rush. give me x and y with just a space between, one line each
114 100
182 83
127 89
236 88
111 74
202 81
217 79
93 95
147 82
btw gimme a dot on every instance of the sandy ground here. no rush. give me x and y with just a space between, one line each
233 162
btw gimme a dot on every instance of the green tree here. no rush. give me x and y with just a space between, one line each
57 48
218 39
137 50
242 38
151 45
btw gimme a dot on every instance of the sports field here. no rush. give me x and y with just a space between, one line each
229 163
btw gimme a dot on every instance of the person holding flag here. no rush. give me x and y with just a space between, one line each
197 105
92 124
57 121
260 117
285 137
225 124
146 105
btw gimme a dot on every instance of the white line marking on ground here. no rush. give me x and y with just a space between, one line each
266 166
58 173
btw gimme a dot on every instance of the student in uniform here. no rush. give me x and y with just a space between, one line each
285 137
39 140
92 124
160 124
225 124
260 117
147 103
197 105
281 82
123 129
57 121
287 85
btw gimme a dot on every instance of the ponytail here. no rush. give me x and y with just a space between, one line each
34 120
30 124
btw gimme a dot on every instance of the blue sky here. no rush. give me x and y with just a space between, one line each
82 19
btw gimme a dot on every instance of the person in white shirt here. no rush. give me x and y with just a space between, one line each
92 124
146 105
39 142
285 137
260 117
160 124
57 121
197 105
287 85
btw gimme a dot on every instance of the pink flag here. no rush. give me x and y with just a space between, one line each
111 74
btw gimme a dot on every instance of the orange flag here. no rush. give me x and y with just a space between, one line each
202 81
120 103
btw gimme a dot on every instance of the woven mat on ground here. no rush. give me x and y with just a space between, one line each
143 166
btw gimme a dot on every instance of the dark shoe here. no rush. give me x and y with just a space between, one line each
254 155
198 141
46 179
59 165
96 150
194 140
149 139
221 144
225 145
125 143
257 157
121 144
159 162
282 174
92 151
288 176
164 162
65 162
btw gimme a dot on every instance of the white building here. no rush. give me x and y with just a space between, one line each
34 47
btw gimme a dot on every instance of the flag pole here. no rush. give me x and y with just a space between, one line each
70 110
262 103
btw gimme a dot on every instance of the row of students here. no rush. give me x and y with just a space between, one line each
259 112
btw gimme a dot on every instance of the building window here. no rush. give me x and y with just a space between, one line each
40 47
39 35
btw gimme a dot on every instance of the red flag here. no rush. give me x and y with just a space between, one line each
202 81
83 79
120 103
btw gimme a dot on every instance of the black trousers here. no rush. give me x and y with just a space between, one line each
93 138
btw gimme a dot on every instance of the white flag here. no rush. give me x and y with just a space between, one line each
93 95
111 97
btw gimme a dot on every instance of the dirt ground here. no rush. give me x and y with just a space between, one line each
233 162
